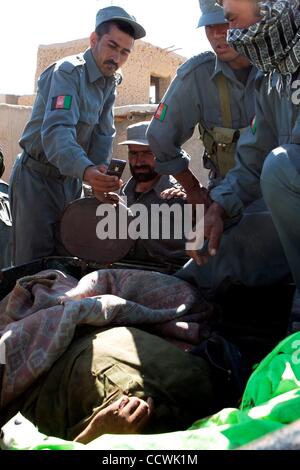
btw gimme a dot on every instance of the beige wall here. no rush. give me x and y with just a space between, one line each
145 60
9 99
26 100
12 122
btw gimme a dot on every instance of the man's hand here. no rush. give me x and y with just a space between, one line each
199 195
213 229
101 182
196 194
128 415
171 193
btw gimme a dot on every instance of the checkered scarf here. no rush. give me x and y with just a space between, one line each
272 44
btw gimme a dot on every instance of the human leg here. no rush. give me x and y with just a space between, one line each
37 202
280 182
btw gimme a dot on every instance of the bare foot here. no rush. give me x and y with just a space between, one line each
128 415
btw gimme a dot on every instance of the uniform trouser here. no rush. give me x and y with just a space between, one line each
37 202
280 183
99 367
250 253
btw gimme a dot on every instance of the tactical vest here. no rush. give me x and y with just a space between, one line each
220 142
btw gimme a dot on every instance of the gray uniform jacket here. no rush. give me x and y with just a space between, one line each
169 250
192 98
250 252
277 124
71 128
72 119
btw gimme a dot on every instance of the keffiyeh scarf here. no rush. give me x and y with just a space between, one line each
273 43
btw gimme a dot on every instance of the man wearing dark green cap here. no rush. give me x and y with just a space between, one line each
216 92
70 134
5 219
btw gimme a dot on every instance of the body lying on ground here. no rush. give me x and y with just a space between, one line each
79 362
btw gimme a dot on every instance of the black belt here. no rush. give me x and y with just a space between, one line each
46 169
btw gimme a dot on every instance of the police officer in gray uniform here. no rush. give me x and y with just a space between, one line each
70 134
212 90
268 158
216 91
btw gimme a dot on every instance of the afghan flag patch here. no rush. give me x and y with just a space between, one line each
161 112
253 125
61 102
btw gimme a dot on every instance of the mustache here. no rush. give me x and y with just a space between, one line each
142 167
111 62
149 175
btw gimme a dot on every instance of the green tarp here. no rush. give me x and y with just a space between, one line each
270 401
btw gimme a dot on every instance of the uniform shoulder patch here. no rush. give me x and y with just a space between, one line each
161 112
194 62
61 102
68 64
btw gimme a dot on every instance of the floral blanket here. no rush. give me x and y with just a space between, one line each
39 317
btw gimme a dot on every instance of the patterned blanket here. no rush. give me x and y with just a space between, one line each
39 317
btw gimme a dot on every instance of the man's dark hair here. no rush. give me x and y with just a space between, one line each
104 28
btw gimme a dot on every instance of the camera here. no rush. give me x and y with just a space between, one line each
116 167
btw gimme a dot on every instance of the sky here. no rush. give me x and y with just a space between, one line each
25 24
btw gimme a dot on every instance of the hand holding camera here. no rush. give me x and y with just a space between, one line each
105 182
